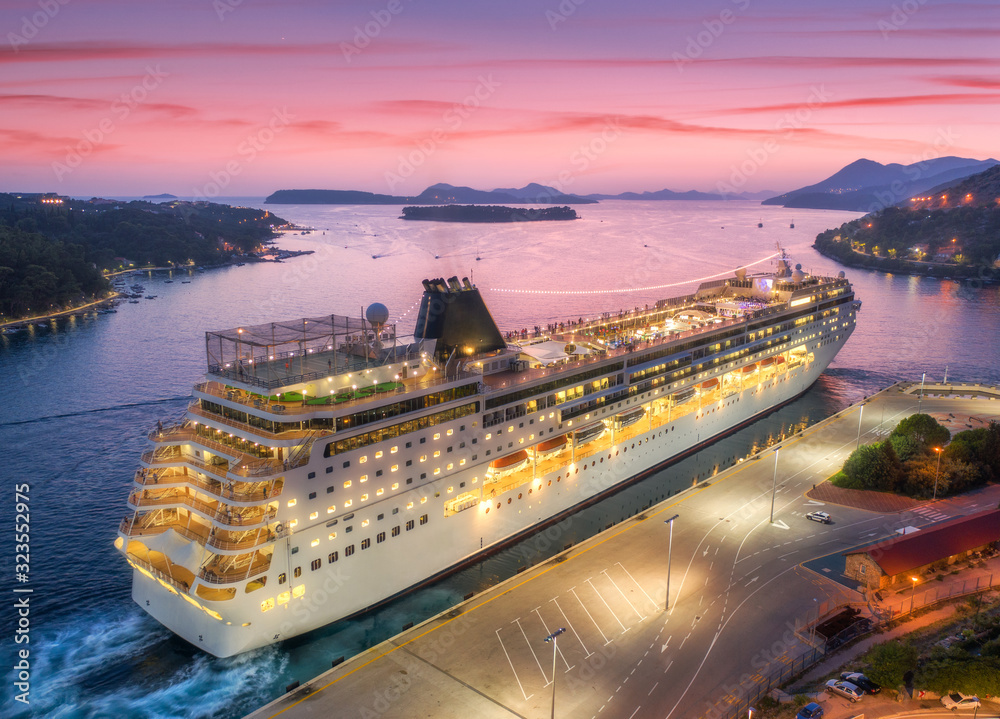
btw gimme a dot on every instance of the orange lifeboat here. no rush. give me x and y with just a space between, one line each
710 384
779 360
510 463
767 362
749 368
551 446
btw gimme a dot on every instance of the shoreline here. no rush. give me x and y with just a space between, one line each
908 267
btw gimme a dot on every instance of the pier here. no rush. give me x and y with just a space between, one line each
741 604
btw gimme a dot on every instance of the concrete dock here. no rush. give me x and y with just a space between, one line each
740 603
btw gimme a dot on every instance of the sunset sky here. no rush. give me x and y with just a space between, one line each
232 97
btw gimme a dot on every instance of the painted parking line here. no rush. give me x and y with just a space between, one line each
640 614
572 628
532 650
549 633
601 597
516 678
655 605
606 640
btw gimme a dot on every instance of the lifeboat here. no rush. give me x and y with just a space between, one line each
508 464
588 433
551 446
779 360
749 368
631 417
710 384
766 362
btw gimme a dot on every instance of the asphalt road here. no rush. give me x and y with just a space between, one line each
740 603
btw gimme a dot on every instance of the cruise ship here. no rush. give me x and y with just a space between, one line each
328 463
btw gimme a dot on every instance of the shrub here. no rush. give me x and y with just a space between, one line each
889 661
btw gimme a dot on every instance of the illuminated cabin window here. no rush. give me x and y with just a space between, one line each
267 605
437 452
332 535
450 490
511 428
380 492
450 432
423 500
294 523
331 509
348 503
378 455
364 523
298 591
364 497
362 460
292 502
489 435
284 597
409 505
394 468
394 450
395 485
423 458
450 466
437 435
437 471
347 484
314 515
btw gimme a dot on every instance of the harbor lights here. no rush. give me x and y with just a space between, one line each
670 549
552 638
937 471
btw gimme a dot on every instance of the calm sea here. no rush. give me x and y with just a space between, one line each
79 396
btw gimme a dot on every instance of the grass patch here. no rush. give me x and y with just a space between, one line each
844 482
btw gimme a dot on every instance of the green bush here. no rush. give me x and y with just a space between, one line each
844 482
874 466
972 675
889 661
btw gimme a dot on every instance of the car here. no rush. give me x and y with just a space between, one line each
844 689
861 682
820 517
957 700
810 711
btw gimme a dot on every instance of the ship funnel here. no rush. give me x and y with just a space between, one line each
458 320
453 284
465 281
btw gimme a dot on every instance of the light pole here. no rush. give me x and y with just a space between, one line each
912 590
860 415
774 482
670 549
919 401
937 471
552 638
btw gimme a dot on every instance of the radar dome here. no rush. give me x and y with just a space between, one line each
798 266
377 314
741 273
841 274
798 276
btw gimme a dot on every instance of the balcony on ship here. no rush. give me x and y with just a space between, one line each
213 510
226 538
240 492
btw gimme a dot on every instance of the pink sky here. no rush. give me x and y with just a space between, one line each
244 98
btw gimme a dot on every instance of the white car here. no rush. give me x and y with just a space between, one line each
820 517
844 689
957 700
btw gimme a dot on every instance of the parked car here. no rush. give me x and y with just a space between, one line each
810 711
844 689
820 517
957 700
861 682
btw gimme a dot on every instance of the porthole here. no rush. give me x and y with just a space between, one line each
508 500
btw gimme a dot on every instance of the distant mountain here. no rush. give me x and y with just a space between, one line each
440 193
164 196
866 186
689 195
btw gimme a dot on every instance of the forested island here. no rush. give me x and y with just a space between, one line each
54 251
952 232
487 213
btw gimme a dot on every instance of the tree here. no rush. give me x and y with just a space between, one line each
924 429
889 661
906 447
874 466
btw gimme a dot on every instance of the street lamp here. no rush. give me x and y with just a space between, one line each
912 590
552 638
774 482
920 401
670 549
860 415
937 471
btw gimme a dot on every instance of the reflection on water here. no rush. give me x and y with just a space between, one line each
80 394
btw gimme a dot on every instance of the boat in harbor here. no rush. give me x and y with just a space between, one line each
327 464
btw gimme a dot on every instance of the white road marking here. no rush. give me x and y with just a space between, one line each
572 629
601 596
531 649
641 617
547 632
526 696
655 605
606 640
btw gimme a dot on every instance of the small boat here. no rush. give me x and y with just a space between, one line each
168 282
766 362
150 297
761 223
588 433
624 419
510 463
792 225
185 282
710 384
749 369
551 446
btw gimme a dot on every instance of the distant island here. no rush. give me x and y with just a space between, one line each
867 186
668 195
952 232
164 196
487 213
440 193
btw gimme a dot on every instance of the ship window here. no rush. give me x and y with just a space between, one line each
347 464
423 475
450 466
349 528
333 557
475 457
378 473
365 543
362 460
423 500
409 505
511 428
461 462
475 440
437 452
380 517
395 485
395 531
329 470
348 503
284 597
450 490
349 550
315 564
423 519
332 536
347 484
291 502
312 475
380 491
423 458
282 578
409 480
450 432
267 605
295 550
364 477
394 450
450 449
297 572
461 428
331 509
380 537
329 490
409 525
488 452
489 435
395 510
409 444
423 440
437 435
313 515
378 455
312 495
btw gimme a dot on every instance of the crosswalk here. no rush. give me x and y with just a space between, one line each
931 514
594 612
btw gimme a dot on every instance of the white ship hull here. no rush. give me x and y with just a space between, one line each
345 588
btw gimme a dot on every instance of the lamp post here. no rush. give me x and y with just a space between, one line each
937 471
670 549
552 638
912 590
860 415
774 482
921 399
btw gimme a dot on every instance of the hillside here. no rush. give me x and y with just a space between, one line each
955 233
866 186
434 195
